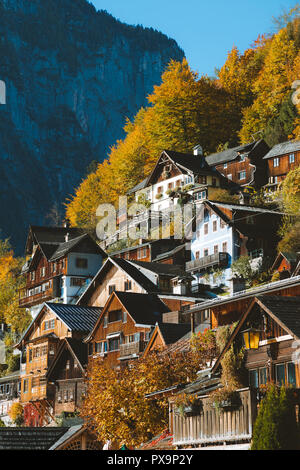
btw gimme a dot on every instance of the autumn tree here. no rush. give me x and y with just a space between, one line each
288 196
10 282
116 407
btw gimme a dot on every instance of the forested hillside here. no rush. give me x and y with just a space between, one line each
250 98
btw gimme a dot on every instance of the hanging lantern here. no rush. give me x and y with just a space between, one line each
251 338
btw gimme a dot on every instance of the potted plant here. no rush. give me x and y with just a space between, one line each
224 398
187 405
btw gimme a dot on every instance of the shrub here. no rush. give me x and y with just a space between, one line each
275 427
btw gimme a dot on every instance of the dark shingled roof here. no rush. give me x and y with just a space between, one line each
172 332
145 309
283 148
161 268
76 317
230 154
138 187
189 161
65 247
30 438
286 309
135 274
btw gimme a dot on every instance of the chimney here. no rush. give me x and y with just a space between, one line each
198 150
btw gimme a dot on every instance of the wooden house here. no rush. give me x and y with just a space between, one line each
10 387
121 275
169 251
281 159
124 327
67 373
228 309
285 264
269 330
243 165
223 232
40 344
60 263
166 334
174 171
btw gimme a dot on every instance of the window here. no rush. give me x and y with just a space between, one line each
280 374
127 285
30 355
222 224
216 249
242 158
114 316
77 281
276 162
101 347
224 247
49 325
25 386
292 158
242 175
111 289
32 276
105 321
205 229
197 255
258 377
142 253
202 180
285 374
114 344
170 185
159 189
124 317
43 272
215 228
229 177
225 166
205 252
214 182
81 263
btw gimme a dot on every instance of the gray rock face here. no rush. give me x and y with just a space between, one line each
72 76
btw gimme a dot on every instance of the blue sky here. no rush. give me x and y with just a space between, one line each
205 29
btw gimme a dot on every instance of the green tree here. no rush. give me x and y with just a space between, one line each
275 427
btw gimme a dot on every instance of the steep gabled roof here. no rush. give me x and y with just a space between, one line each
75 317
67 246
283 310
77 349
283 148
291 258
128 268
171 270
144 309
231 154
50 235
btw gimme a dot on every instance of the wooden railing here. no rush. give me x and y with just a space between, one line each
220 259
130 349
213 426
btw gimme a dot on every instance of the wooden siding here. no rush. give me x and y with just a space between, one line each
212 426
115 277
233 310
112 358
284 166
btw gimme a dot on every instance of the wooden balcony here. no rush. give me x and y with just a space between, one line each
131 349
31 296
215 260
211 426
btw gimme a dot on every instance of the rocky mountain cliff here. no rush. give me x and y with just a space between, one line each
72 76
